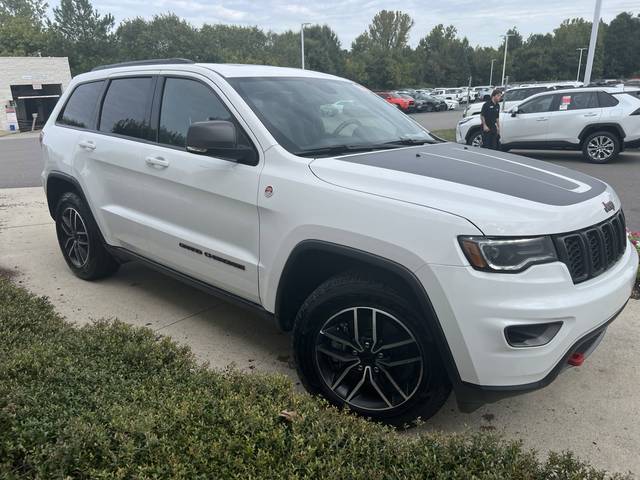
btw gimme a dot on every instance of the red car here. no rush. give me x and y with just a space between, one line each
403 103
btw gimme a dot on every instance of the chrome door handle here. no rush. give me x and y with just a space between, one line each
87 145
542 119
590 115
157 162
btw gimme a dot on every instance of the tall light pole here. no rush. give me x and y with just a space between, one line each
580 62
302 25
592 42
506 46
491 74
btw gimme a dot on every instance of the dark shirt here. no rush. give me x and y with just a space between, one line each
491 113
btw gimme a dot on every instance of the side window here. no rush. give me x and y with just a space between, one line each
183 103
606 100
578 101
125 107
81 107
537 105
187 101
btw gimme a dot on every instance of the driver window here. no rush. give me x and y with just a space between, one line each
537 105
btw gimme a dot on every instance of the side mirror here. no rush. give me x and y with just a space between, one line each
218 138
211 135
514 111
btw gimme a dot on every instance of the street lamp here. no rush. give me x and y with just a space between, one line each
491 74
580 62
506 46
302 25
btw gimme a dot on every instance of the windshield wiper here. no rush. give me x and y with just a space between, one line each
341 149
409 141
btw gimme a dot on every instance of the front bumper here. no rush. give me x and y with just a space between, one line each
475 307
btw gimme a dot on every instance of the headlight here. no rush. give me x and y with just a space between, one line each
507 255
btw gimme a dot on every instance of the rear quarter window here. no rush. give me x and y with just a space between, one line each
80 109
607 100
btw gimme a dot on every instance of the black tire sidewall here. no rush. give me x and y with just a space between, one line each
91 269
434 387
613 137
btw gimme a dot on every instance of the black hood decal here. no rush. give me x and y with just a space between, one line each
499 172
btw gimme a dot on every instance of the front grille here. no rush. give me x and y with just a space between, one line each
591 251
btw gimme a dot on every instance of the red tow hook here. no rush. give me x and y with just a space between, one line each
576 359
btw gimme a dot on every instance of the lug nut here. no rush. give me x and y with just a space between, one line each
381 355
376 369
360 368
354 353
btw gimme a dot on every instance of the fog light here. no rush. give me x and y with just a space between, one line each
534 335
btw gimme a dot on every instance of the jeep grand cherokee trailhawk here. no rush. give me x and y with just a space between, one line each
404 266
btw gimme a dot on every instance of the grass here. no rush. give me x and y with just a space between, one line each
448 134
110 401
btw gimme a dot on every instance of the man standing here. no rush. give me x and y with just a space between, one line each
490 117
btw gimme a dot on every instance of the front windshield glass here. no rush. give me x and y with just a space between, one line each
309 114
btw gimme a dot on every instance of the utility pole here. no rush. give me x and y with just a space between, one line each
580 62
592 42
302 25
506 46
491 74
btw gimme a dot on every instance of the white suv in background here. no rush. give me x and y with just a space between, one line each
403 265
599 123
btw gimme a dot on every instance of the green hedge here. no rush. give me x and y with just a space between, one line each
113 401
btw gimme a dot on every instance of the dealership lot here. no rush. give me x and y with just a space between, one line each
590 406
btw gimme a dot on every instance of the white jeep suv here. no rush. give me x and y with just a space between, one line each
404 265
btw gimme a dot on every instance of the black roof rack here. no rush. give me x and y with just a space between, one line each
136 63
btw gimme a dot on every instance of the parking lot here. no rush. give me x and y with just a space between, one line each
592 409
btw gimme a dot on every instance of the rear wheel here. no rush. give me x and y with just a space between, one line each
429 107
80 240
362 345
601 147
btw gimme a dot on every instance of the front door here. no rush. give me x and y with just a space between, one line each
530 124
201 216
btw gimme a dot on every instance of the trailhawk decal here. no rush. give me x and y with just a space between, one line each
499 172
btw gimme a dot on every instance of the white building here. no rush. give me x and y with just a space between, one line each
30 88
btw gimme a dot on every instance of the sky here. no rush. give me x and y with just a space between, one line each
481 21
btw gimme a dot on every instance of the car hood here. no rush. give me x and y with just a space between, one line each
501 193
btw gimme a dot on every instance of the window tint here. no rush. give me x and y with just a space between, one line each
183 103
537 105
606 100
522 93
578 100
81 107
124 110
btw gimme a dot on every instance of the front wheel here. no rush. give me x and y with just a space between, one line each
362 345
601 147
475 139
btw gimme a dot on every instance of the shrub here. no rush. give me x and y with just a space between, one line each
112 401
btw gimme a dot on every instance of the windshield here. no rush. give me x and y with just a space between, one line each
306 115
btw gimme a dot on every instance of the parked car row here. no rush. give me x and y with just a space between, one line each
410 101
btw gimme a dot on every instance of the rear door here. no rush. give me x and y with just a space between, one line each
111 165
200 212
530 124
572 112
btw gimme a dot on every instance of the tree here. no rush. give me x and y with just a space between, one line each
622 47
22 27
232 44
444 58
323 51
164 36
81 33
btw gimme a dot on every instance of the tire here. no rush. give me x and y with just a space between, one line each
429 107
474 138
80 240
349 365
601 147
